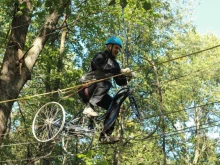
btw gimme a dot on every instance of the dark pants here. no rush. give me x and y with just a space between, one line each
97 95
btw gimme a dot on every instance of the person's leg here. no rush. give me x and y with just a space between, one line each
82 95
98 91
85 96
98 94
105 103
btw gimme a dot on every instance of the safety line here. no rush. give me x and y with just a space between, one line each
167 134
202 70
94 81
153 136
184 130
17 144
30 159
166 114
186 55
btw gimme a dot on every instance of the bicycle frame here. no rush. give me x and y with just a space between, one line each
78 125
120 93
113 111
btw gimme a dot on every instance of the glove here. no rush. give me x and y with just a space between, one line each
126 70
131 75
128 73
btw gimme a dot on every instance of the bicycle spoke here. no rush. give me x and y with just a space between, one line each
48 121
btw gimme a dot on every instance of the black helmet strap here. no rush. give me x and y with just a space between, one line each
110 50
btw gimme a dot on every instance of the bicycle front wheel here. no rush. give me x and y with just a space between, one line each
48 121
139 122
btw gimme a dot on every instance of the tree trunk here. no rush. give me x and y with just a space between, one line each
200 140
159 92
60 64
116 159
16 68
10 78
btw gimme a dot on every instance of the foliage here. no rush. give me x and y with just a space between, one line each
156 34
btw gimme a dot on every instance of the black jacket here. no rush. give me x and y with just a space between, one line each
104 65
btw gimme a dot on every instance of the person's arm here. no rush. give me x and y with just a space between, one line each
120 80
103 63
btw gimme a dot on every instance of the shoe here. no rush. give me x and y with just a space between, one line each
91 124
90 111
109 139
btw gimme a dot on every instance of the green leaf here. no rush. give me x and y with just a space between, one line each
48 4
68 11
18 14
102 162
123 3
147 6
112 2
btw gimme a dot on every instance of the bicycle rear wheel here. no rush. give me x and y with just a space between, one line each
78 136
138 123
48 121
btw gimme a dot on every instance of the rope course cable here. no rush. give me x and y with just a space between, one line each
18 144
30 159
94 81
183 56
167 134
168 113
154 136
26 143
184 130
203 70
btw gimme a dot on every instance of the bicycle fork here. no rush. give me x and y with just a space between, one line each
134 107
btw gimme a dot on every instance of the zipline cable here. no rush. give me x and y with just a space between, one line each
168 113
183 56
167 134
94 81
154 136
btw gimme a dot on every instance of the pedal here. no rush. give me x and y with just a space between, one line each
74 128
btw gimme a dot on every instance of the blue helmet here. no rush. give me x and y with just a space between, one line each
114 40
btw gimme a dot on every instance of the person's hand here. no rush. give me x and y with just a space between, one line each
126 70
131 75
128 73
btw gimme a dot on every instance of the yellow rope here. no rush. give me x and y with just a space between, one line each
71 88
94 81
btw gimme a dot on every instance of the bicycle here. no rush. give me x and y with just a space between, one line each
78 131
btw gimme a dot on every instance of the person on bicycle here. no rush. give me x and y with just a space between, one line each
103 66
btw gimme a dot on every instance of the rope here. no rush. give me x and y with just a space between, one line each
95 81
168 133
187 55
